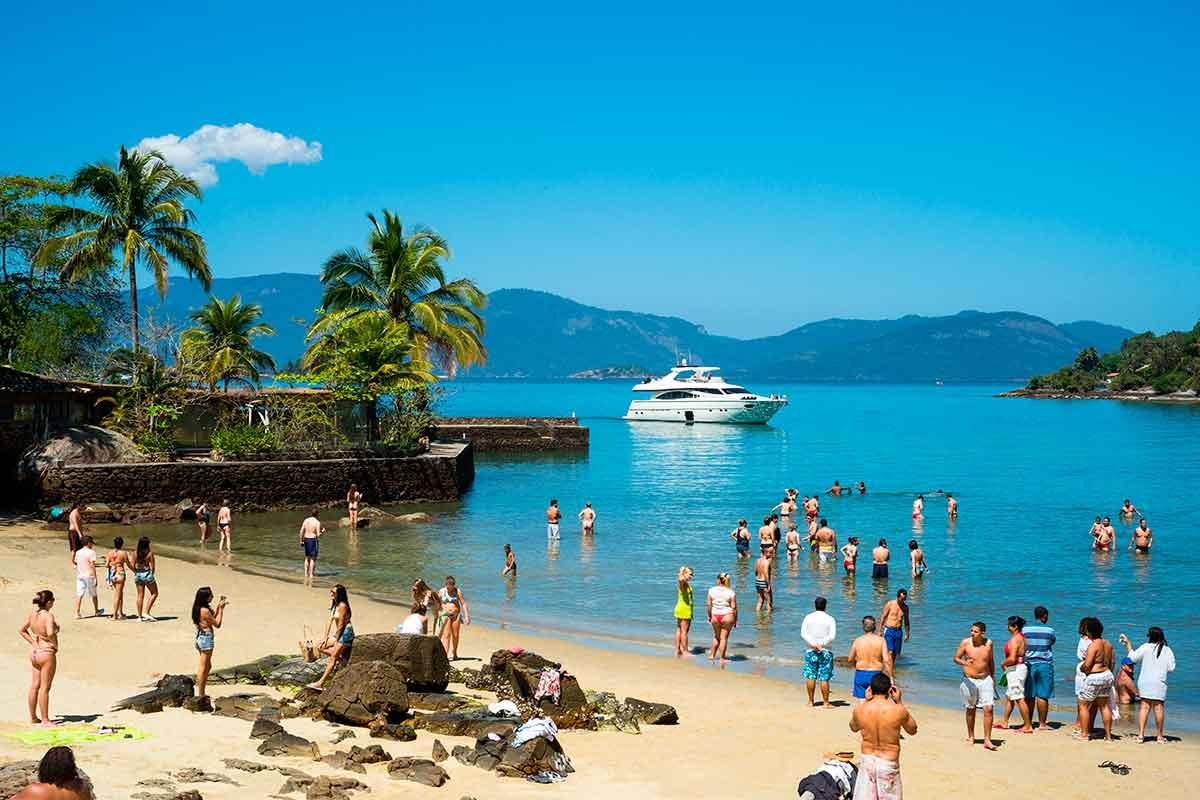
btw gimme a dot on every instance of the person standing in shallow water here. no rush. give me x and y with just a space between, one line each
202 516
762 580
722 615
587 519
553 515
951 506
868 656
1142 538
684 601
978 686
880 720
510 562
353 498
741 539
895 623
311 531
879 560
225 526
916 558
850 555
40 631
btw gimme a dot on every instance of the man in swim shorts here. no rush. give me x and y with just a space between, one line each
869 656
1128 509
74 530
762 579
978 687
879 560
310 539
880 720
835 490
553 515
894 619
826 543
225 527
818 630
1142 537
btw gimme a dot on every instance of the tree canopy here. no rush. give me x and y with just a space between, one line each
1167 363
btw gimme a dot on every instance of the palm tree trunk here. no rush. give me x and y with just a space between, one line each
133 304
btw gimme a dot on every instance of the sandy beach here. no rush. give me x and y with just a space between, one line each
739 735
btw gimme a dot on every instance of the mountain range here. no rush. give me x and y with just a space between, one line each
533 334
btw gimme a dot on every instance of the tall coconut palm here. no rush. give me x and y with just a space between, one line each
221 345
400 277
140 214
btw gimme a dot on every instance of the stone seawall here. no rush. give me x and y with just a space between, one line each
515 434
442 474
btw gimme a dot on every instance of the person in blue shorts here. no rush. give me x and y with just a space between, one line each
818 631
894 619
869 657
1039 658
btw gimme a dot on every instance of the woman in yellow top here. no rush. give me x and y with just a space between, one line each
683 611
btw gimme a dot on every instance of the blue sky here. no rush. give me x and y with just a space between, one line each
748 171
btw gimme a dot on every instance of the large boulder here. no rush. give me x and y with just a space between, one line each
522 672
251 707
170 691
471 723
652 713
442 701
422 659
611 714
365 691
419 770
536 755
282 743
16 775
78 444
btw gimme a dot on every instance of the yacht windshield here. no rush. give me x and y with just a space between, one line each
736 390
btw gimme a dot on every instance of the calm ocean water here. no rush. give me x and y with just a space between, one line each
1030 476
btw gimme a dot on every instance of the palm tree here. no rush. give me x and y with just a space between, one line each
139 212
400 278
221 345
367 356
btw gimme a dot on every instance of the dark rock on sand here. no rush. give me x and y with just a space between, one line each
422 659
264 729
365 691
16 775
418 770
170 691
536 755
245 766
283 743
342 735
472 723
522 672
295 673
486 755
479 679
371 754
441 701
653 713
193 775
332 788
341 760
401 732
439 751
253 672
201 703
251 707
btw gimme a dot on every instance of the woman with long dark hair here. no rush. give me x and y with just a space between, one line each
454 615
118 565
353 498
1157 660
1016 672
1097 669
206 621
423 594
144 579
40 631
339 633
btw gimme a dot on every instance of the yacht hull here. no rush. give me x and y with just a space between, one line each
734 412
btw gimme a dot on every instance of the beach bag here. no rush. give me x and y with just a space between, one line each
307 648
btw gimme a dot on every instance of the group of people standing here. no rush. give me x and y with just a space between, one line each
1104 535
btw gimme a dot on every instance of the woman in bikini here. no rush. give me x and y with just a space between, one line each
722 615
455 613
339 633
353 497
206 621
202 516
41 632
144 579
117 561
424 595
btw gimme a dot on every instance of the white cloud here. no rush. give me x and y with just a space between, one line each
197 154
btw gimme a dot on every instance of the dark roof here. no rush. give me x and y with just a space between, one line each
15 380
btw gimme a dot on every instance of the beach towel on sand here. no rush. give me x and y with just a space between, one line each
75 734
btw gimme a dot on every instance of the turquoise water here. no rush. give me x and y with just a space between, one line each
1030 476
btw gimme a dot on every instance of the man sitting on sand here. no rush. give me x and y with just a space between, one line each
58 779
978 688
869 656
880 720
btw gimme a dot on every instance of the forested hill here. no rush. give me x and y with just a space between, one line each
535 334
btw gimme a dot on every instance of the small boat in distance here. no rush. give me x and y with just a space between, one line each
696 394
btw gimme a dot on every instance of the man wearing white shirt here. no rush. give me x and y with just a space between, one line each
818 631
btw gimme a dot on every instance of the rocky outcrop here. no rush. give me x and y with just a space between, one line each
278 742
440 753
611 714
533 757
418 770
251 707
521 673
295 673
253 672
652 713
399 732
365 691
422 659
471 723
170 692
444 701
16 775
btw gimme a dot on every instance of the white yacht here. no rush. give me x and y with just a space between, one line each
696 394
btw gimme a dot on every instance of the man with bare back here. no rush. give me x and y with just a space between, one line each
553 515
826 539
880 720
978 688
762 579
869 656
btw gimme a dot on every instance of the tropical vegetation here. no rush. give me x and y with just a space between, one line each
1161 364
389 317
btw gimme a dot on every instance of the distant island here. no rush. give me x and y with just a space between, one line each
541 336
1146 367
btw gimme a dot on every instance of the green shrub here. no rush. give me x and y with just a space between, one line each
1035 382
240 440
156 444
1171 382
